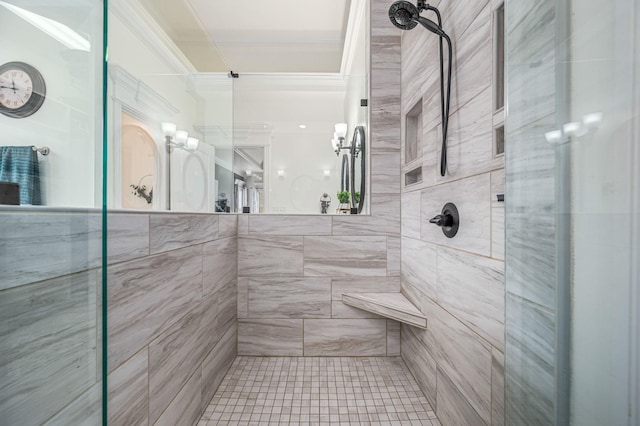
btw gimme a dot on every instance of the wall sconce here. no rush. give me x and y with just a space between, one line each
338 138
178 138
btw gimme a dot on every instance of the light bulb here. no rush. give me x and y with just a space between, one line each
169 129
341 130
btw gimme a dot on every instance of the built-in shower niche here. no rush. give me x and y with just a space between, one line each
413 133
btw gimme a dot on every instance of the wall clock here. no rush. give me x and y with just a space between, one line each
22 89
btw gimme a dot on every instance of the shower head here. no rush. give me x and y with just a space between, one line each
404 15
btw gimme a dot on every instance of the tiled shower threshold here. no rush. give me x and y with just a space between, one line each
318 391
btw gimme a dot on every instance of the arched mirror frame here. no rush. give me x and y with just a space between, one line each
344 174
358 153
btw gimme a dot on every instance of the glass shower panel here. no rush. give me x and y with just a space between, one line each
571 148
51 245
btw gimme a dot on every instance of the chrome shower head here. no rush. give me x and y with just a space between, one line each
404 15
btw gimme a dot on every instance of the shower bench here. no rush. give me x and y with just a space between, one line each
390 305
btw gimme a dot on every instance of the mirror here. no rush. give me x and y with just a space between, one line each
358 165
344 182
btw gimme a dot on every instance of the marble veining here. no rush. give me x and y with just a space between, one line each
220 264
420 361
289 298
129 391
270 256
270 337
185 409
217 362
344 256
419 266
453 408
393 338
127 236
171 231
227 225
345 337
472 289
48 353
497 388
290 225
148 295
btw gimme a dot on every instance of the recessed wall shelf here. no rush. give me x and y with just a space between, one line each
412 177
413 133
390 305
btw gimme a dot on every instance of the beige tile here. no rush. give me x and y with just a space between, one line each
497 215
173 358
497 388
129 391
147 296
393 256
220 264
464 357
393 338
185 408
452 407
128 236
228 225
172 231
216 364
270 255
243 297
48 347
25 236
471 197
270 337
345 256
472 289
344 337
411 217
339 286
419 267
289 298
420 361
289 225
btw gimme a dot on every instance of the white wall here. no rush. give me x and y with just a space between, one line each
69 120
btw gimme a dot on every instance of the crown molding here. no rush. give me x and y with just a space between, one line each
138 20
357 14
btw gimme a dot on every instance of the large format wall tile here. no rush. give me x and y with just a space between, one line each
220 264
393 338
386 176
344 337
128 236
472 289
129 391
216 364
35 246
453 408
48 354
172 231
497 388
173 358
269 256
471 197
227 225
86 410
147 296
341 310
420 362
419 267
290 225
497 215
227 306
344 256
394 256
340 286
411 217
185 409
530 355
270 337
462 355
289 298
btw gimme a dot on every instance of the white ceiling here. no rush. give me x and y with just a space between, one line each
256 35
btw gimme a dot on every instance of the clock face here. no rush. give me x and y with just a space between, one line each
22 89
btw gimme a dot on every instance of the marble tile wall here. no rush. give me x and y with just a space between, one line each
171 315
292 270
458 283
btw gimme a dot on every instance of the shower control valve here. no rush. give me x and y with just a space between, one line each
448 220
